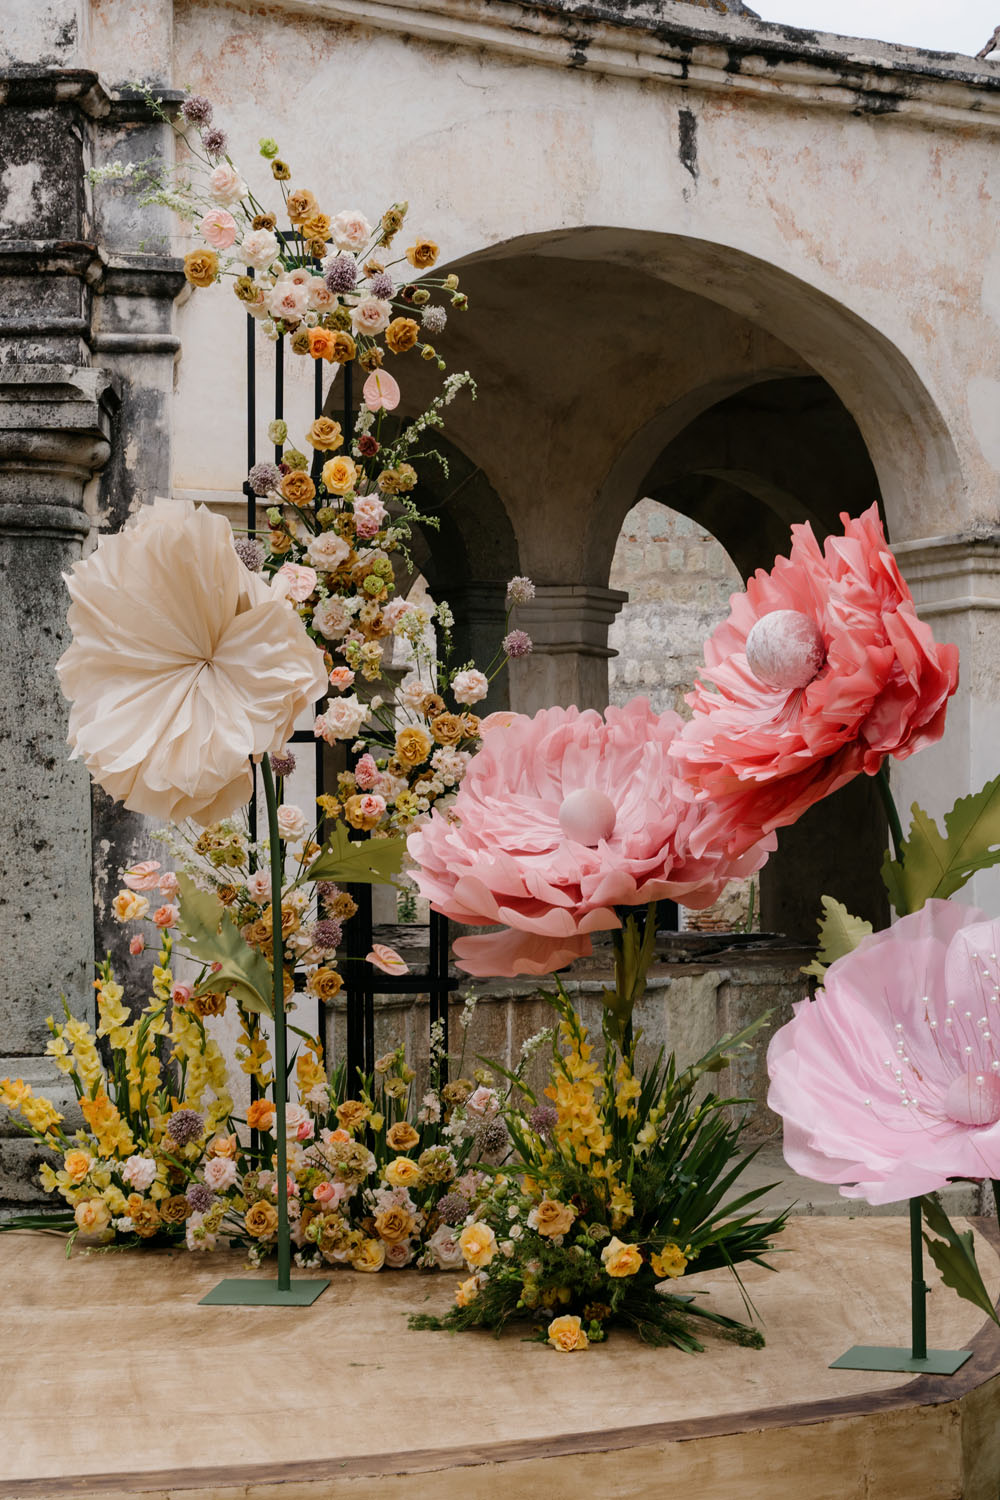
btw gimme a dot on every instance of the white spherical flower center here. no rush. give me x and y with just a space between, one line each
587 816
973 1098
785 649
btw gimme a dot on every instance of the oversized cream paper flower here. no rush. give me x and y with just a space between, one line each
182 665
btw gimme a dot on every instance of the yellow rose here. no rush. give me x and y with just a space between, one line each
129 906
325 984
423 254
326 435
77 1164
401 334
298 488
340 474
261 1220
316 227
394 1225
478 1244
145 1217
621 1260
467 1291
413 745
670 1261
552 1218
201 267
92 1215
223 1145
301 205
402 1137
566 1334
352 1114
368 1256
403 1173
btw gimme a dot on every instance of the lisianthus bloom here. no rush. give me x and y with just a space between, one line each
559 820
889 1081
183 665
822 670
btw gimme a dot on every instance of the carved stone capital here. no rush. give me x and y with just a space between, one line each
55 429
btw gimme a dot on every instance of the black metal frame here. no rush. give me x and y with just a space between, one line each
361 983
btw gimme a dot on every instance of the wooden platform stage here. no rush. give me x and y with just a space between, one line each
114 1383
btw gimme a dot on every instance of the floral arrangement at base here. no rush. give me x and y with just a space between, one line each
615 1186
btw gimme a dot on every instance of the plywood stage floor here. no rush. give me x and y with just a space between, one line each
115 1383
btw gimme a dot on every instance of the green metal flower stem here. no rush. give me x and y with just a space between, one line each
918 1286
280 1063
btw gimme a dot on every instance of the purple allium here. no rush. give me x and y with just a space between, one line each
283 764
520 590
264 477
215 142
434 319
543 1119
184 1126
200 1197
197 110
327 934
382 286
517 643
342 274
492 1137
250 552
453 1208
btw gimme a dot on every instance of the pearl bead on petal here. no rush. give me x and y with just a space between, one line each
587 816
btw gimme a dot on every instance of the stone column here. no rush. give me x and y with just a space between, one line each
480 609
568 623
956 583
55 423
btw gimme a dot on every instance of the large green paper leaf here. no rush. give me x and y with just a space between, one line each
955 1256
839 933
213 937
366 862
933 865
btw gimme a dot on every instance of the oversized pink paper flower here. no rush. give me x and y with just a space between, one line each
560 819
889 1081
823 669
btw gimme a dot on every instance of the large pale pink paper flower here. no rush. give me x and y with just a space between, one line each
889 1081
560 819
183 664
823 669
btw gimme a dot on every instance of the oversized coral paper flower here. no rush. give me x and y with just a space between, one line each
182 665
889 1081
560 819
822 670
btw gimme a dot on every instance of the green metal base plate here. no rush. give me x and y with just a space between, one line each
870 1357
245 1292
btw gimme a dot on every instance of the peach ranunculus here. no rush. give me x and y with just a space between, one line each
260 1114
566 1334
621 1260
821 671
478 1244
551 1217
129 906
559 820
183 664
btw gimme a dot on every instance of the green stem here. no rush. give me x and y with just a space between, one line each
918 1287
280 1067
891 811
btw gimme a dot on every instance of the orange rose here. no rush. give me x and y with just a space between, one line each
413 745
423 254
301 205
401 334
316 227
321 343
260 1115
401 1137
202 266
298 488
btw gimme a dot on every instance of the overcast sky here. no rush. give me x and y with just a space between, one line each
942 25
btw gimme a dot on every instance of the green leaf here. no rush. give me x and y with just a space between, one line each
933 865
839 933
361 862
212 937
955 1256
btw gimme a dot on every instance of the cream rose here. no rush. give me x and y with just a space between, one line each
292 822
259 249
469 687
226 185
350 230
327 551
342 719
332 618
370 316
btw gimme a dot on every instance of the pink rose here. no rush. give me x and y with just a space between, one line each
143 876
136 946
219 228
370 316
169 885
330 1193
369 513
350 230
166 916
292 822
398 1255
296 581
226 185
366 773
181 994
443 1245
220 1173
381 392
328 550
341 678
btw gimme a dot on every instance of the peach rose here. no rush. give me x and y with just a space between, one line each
325 984
403 1173
394 1224
402 1137
478 1244
350 230
325 435
260 1114
92 1215
226 1146
166 916
552 1217
566 1334
316 227
423 254
322 344
129 906
76 1165
298 488
340 475
370 316
368 1256
301 205
621 1260
225 184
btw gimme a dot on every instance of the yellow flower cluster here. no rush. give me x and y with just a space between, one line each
18 1097
580 1130
111 1132
74 1050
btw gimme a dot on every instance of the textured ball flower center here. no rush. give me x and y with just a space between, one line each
973 1098
587 816
785 649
